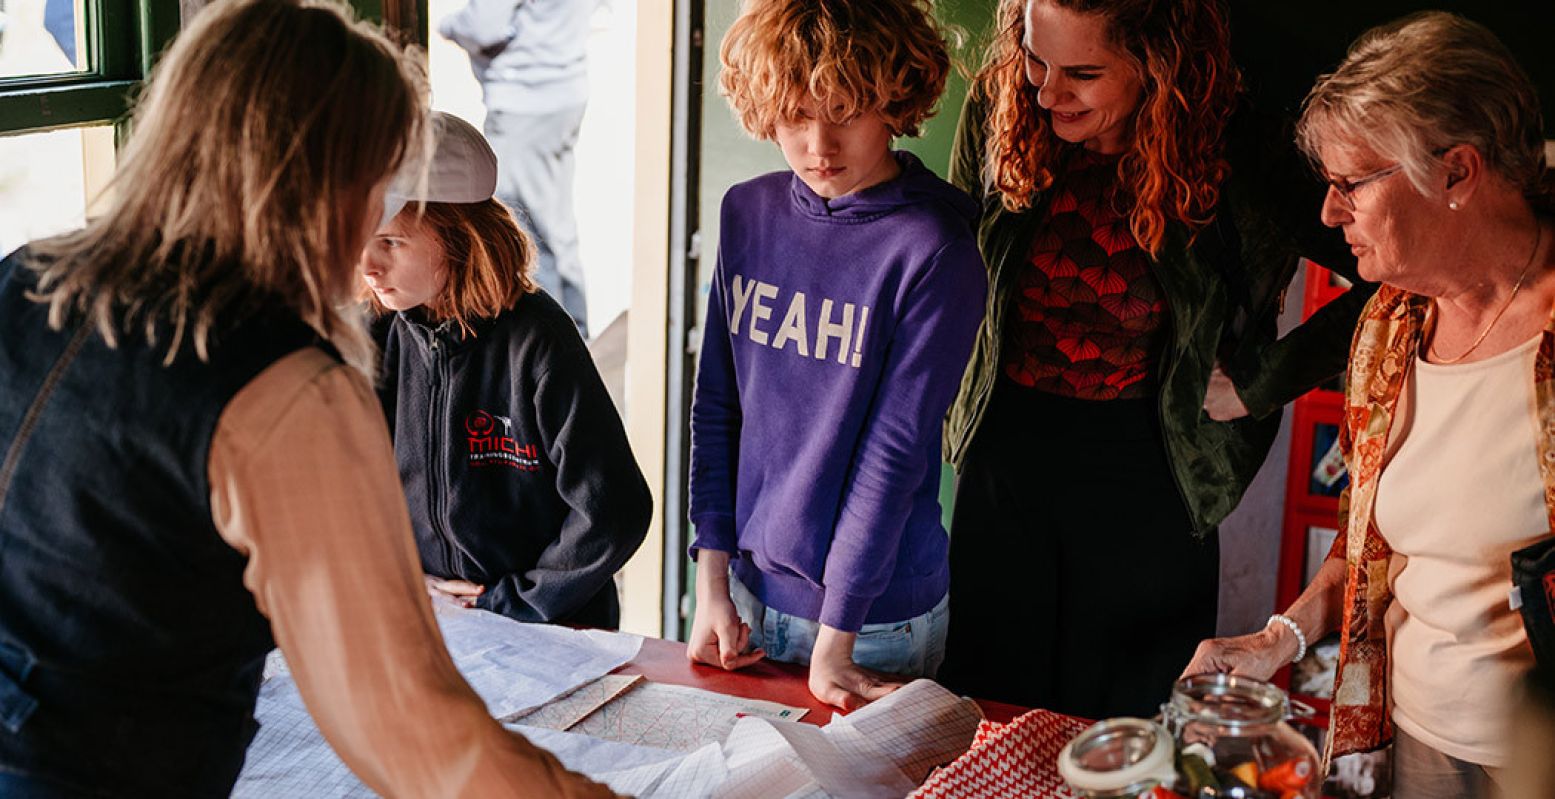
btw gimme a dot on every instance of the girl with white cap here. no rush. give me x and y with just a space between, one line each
523 491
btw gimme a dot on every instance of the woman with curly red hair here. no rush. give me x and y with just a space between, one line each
1139 231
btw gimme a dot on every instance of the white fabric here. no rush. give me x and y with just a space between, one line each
1460 492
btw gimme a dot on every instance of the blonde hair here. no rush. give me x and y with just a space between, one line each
1175 164
256 149
858 56
1414 87
489 261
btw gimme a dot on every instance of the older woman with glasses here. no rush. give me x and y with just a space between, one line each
1430 136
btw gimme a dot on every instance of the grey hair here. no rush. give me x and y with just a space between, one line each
1411 88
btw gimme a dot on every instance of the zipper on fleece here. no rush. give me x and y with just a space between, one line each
437 457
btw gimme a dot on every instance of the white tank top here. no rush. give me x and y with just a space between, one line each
1459 493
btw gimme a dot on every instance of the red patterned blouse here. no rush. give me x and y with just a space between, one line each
1089 316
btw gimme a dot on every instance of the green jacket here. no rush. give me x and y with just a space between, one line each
1224 291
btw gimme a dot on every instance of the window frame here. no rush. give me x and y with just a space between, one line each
123 41
123 38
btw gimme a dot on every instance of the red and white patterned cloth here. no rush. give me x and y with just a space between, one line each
1009 761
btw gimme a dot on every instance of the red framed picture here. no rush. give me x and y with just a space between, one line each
1316 473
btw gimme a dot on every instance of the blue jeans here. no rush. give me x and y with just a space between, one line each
912 648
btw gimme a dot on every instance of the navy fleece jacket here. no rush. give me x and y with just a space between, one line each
514 462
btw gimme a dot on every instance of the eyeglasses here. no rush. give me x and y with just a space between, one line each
1347 187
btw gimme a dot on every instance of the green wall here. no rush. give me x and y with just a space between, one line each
973 21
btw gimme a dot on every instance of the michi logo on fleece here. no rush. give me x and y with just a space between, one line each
750 302
488 448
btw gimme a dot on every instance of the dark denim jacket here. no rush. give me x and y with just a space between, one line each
1224 289
130 649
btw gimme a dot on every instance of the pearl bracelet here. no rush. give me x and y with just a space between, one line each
1301 638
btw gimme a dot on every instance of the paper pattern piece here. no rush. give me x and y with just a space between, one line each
511 665
1006 760
289 756
687 776
670 717
592 756
882 750
564 712
516 666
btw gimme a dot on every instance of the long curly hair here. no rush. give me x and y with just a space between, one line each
1175 163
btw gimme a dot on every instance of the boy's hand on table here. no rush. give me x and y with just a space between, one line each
462 592
836 680
718 636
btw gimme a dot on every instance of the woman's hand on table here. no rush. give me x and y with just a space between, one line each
718 636
1261 654
1258 655
1221 401
836 680
462 592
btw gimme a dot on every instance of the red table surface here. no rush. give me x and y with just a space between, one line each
784 683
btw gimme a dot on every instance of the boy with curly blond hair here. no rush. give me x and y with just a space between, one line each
842 312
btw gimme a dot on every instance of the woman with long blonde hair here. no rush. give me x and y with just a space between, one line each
1139 230
193 474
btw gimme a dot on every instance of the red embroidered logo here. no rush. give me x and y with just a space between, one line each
479 424
490 448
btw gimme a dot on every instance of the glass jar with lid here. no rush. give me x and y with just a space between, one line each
1122 758
1233 742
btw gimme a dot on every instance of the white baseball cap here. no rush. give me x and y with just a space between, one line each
463 169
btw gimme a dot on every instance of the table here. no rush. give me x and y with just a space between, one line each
289 757
784 683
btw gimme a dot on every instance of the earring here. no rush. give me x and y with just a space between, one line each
1453 205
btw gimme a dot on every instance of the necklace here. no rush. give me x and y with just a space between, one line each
1538 237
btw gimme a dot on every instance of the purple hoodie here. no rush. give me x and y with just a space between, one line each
836 335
